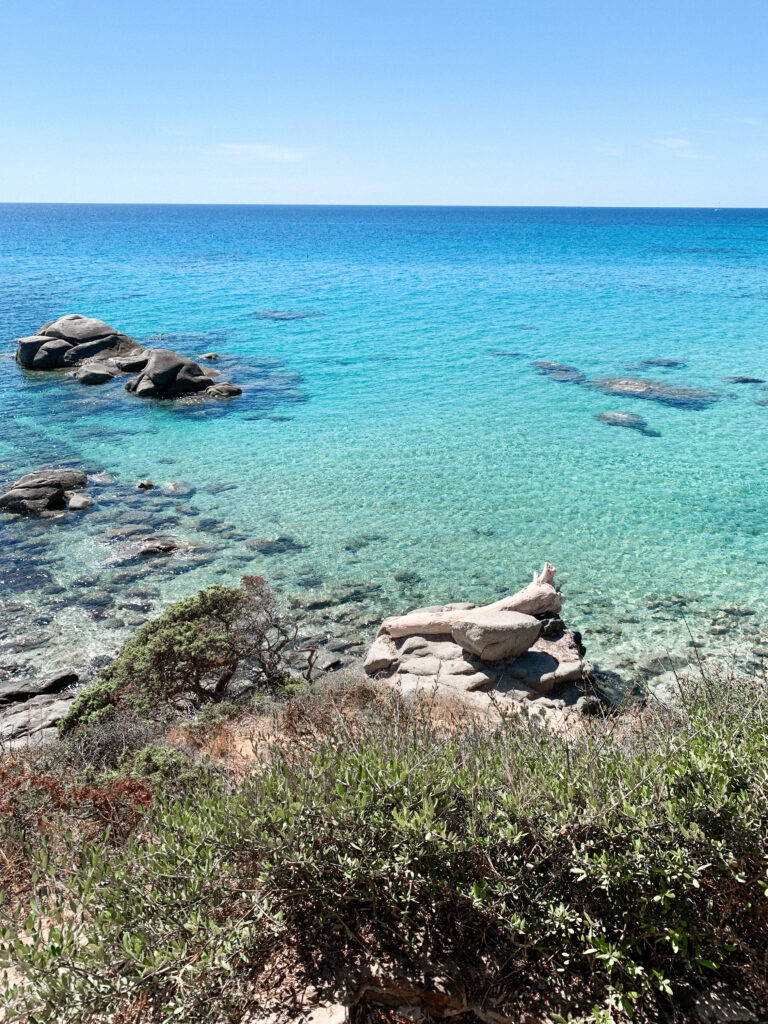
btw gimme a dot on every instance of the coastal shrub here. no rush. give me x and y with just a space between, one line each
543 874
189 654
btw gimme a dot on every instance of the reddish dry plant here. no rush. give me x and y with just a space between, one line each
27 796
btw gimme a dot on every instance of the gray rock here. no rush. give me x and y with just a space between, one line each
42 491
145 485
657 391
90 373
540 671
134 363
494 636
76 328
223 389
627 419
212 356
589 705
71 340
168 375
79 502
149 546
664 362
50 355
16 691
27 348
21 723
560 372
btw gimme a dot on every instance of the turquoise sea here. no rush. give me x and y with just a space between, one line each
394 440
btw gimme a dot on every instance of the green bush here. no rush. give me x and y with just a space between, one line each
189 654
611 867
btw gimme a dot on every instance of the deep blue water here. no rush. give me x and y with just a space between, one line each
395 427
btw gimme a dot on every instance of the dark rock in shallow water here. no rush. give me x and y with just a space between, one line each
560 372
42 491
627 419
281 545
89 373
657 391
70 340
744 380
223 389
664 363
284 317
168 375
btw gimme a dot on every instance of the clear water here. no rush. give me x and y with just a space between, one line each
399 434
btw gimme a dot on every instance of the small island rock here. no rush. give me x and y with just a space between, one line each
42 491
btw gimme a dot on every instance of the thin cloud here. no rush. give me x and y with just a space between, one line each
264 151
755 122
673 143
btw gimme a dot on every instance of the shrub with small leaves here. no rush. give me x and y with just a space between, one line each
189 654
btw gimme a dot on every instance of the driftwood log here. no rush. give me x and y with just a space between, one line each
541 597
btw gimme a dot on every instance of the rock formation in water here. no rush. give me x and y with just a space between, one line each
516 649
97 353
71 340
630 420
46 490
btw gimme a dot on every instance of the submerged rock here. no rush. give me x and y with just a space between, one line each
560 372
744 380
286 316
42 491
280 545
664 363
629 420
657 391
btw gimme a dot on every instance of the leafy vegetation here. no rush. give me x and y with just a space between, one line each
582 876
188 656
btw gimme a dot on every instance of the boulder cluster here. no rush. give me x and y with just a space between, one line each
97 353
486 656
47 490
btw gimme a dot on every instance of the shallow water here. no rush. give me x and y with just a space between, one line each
393 425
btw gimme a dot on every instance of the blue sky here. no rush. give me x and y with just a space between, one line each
498 102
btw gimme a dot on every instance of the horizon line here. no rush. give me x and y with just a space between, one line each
384 206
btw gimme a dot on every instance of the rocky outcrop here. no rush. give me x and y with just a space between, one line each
166 374
71 340
17 691
43 491
98 353
515 650
33 721
495 635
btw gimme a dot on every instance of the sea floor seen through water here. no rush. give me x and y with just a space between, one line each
403 437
